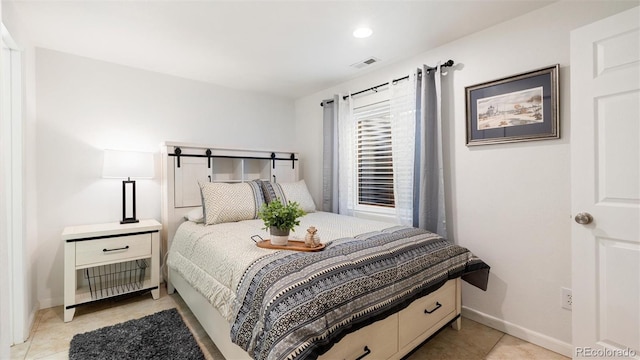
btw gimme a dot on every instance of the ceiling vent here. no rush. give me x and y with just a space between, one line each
366 62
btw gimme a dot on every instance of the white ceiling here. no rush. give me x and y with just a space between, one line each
286 48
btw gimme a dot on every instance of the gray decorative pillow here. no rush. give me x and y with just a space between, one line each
223 202
272 191
256 185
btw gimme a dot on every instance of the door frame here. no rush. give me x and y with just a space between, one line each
13 201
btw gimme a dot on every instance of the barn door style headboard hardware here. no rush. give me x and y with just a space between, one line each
292 158
177 152
184 166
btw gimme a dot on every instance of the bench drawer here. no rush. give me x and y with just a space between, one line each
378 340
426 312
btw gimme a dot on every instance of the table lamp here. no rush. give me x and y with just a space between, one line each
126 165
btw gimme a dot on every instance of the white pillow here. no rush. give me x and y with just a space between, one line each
196 215
298 192
222 202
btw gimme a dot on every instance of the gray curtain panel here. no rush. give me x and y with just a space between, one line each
330 155
428 202
429 206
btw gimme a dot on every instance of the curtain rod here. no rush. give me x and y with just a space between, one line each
374 88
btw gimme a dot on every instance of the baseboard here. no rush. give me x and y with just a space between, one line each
518 331
51 302
29 324
32 319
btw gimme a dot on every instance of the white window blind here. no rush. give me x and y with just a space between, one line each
374 157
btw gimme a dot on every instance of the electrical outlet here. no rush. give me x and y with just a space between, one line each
567 298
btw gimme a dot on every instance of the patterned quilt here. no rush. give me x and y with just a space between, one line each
296 305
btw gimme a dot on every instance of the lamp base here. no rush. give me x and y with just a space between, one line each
132 215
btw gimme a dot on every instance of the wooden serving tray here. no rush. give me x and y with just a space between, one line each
294 245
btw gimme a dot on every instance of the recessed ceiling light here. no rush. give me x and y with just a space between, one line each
362 32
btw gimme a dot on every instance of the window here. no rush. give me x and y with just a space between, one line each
374 158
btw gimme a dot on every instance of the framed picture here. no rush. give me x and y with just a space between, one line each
517 108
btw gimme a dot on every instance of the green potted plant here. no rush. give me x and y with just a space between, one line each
280 219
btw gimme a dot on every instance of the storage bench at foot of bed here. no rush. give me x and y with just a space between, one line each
398 334
390 338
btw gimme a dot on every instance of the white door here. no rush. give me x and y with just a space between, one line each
605 160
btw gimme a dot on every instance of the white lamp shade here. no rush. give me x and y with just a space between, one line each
127 164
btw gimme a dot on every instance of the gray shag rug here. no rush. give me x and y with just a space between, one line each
162 335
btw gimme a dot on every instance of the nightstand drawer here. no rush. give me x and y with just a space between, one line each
113 249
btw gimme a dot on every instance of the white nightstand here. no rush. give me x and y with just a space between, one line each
110 259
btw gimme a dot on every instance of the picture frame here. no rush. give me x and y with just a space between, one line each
521 107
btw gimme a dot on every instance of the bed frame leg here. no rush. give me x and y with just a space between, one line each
457 325
170 288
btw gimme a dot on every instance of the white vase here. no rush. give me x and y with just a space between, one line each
278 236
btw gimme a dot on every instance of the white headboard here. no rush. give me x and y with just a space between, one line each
183 165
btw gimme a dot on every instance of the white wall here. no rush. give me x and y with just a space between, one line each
85 106
509 204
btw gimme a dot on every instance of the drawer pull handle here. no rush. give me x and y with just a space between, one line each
438 306
122 248
367 351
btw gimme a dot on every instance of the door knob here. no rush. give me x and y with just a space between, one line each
584 218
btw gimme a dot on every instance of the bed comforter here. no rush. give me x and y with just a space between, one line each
287 305
295 305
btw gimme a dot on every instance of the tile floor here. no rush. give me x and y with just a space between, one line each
50 336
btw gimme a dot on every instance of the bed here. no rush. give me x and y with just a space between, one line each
376 290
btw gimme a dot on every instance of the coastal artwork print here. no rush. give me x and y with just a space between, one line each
512 109
521 107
